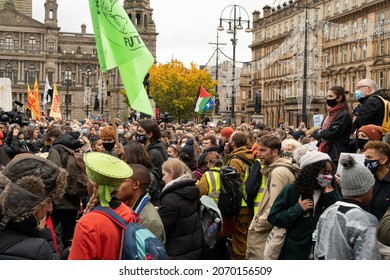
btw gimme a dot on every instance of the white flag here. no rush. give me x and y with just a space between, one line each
46 96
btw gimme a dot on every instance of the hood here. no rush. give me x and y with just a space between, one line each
184 186
17 203
69 141
280 162
242 152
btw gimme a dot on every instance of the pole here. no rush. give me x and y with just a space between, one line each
105 80
67 100
234 64
280 103
304 86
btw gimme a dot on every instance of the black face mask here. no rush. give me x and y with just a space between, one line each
331 102
361 142
372 164
109 146
140 138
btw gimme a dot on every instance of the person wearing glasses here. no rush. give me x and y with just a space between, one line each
371 108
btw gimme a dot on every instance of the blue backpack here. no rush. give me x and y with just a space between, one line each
138 243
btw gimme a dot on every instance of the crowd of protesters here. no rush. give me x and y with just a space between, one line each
330 208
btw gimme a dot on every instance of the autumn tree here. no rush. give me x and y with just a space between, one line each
174 87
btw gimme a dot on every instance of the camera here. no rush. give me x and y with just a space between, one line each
14 116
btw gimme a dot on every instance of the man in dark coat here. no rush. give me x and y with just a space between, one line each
372 108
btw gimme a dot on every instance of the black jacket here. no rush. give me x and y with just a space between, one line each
380 200
371 111
158 154
337 135
35 244
179 204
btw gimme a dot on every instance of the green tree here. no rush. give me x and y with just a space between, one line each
174 87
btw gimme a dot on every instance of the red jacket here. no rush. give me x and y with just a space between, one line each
96 237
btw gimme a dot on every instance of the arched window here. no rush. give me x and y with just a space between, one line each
68 74
31 74
138 19
9 42
88 77
8 71
51 14
32 43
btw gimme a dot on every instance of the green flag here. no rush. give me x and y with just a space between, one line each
119 45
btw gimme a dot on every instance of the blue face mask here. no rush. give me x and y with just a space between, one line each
84 130
358 94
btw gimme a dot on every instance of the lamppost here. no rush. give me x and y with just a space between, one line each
234 21
67 82
280 103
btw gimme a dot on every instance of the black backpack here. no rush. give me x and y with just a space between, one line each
252 184
230 196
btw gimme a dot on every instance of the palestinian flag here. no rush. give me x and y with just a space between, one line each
202 100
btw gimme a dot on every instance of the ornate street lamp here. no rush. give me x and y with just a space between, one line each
234 21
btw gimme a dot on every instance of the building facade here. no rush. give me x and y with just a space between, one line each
30 49
302 48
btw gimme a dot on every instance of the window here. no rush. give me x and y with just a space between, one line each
364 51
352 83
138 19
50 47
364 24
32 44
88 77
354 27
8 71
346 4
344 55
31 74
381 78
337 7
343 82
354 3
381 47
68 74
354 53
335 57
51 14
327 60
9 42
328 10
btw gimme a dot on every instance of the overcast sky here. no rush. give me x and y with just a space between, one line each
185 27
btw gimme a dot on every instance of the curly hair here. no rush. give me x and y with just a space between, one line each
307 178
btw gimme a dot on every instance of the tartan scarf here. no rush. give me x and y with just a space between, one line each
332 112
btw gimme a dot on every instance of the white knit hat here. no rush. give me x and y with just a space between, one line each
312 157
356 179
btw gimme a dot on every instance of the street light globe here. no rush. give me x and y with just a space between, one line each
220 28
229 31
248 30
239 27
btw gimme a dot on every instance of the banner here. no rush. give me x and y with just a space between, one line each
55 111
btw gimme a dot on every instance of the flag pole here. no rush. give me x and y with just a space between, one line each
110 107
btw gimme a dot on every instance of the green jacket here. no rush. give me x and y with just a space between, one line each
287 213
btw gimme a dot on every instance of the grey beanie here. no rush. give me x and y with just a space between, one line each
312 157
356 179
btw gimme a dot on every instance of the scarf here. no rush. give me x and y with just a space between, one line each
332 112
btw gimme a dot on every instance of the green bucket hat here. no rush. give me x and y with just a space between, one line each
108 172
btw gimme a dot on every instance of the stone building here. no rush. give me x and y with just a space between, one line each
302 48
30 49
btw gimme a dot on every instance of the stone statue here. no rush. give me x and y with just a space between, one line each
258 103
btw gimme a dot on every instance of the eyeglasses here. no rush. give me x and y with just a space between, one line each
359 87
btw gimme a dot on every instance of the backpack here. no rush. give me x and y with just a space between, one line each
386 115
208 212
138 243
252 184
73 162
230 196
